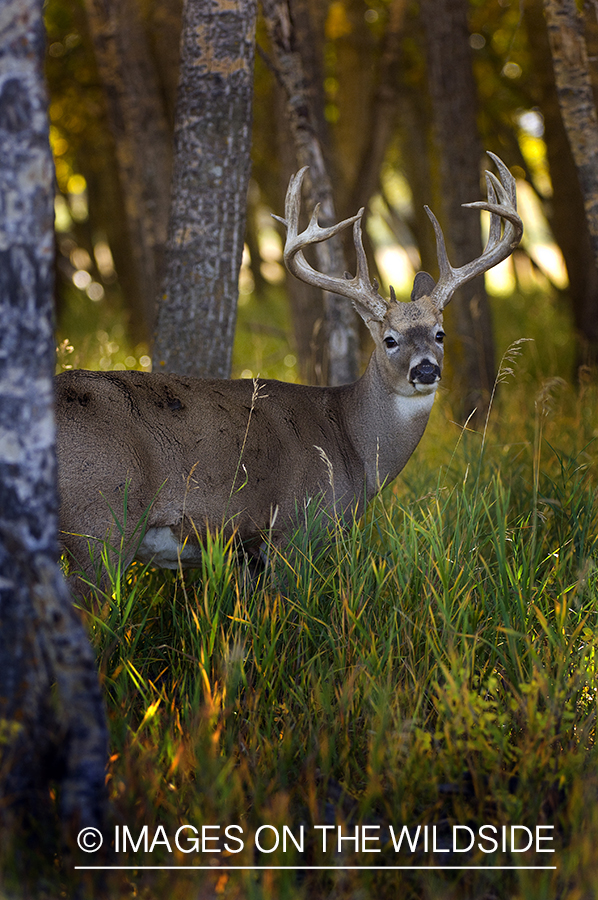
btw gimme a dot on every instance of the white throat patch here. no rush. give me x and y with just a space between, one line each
416 405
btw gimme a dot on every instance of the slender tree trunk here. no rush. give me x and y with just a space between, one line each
368 107
143 142
415 159
453 93
574 88
45 735
288 29
305 300
565 212
198 305
163 20
415 147
381 117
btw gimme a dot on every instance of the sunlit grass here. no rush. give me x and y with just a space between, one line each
434 663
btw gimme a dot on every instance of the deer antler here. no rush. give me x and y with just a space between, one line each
501 204
359 289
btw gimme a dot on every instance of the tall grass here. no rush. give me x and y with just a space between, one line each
432 664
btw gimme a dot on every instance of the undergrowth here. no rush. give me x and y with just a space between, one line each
433 665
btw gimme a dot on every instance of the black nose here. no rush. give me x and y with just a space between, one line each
424 372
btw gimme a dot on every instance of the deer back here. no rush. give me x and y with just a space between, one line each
199 453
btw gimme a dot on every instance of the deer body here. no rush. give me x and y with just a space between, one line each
219 453
191 454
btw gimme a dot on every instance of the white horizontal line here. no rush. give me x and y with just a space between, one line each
313 868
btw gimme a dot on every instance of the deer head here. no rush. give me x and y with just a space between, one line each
408 337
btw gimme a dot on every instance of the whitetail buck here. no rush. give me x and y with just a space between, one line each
192 455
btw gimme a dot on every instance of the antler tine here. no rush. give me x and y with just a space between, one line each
502 206
495 227
507 181
292 203
444 266
358 289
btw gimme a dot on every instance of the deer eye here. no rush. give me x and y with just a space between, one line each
440 337
390 342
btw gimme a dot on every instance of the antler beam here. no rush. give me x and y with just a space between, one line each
501 204
359 289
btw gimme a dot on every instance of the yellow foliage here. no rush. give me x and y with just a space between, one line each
9 730
76 184
337 23
534 151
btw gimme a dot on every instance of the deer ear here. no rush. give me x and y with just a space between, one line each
423 285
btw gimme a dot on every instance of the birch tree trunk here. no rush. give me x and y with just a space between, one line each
453 92
286 21
565 208
576 99
45 734
198 304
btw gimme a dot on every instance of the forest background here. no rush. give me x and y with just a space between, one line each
438 665
389 127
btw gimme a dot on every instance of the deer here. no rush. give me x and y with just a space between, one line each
186 456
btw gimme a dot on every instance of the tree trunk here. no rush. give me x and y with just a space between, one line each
143 142
565 211
415 154
45 736
288 29
381 115
453 93
576 98
198 305
574 88
305 300
414 145
163 19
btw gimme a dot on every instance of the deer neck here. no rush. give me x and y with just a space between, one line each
385 427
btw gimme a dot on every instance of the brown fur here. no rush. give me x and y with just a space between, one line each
201 454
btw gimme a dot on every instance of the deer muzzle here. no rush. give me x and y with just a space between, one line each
424 372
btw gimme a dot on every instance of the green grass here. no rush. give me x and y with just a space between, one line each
434 665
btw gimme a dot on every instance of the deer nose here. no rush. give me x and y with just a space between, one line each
424 372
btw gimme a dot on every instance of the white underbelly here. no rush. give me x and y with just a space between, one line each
160 547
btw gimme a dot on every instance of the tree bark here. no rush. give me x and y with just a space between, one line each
565 210
576 98
163 20
45 736
305 300
288 30
198 305
454 102
382 111
143 142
